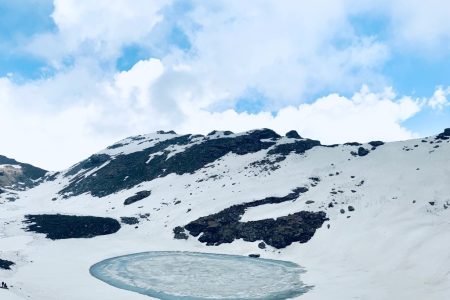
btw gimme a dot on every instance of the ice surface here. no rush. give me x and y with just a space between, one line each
189 275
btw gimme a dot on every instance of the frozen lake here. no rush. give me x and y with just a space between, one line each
188 275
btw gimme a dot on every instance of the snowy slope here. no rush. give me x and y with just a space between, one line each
393 245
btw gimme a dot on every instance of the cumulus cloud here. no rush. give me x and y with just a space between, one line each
332 119
286 51
420 25
95 29
439 99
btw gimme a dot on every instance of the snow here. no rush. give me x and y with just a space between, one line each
10 166
393 246
175 275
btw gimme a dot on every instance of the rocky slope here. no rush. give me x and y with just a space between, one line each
17 175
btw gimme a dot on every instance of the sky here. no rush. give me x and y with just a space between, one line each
79 75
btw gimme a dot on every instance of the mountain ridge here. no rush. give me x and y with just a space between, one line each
365 220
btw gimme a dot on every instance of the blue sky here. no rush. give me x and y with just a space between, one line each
19 20
100 71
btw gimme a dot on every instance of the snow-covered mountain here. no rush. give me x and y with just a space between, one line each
18 176
366 221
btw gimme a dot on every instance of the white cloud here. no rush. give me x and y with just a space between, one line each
439 99
58 121
287 51
332 119
420 25
96 28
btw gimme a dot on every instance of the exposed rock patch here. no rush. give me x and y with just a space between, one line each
376 144
444 135
129 220
137 197
19 175
93 161
57 227
293 135
179 233
225 226
361 152
297 147
137 167
6 264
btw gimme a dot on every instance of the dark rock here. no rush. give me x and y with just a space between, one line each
444 135
351 208
315 179
342 211
309 202
262 245
254 255
129 220
93 161
166 132
297 147
6 264
432 203
136 166
293 135
225 226
214 132
376 143
179 233
137 197
353 144
115 146
57 227
362 151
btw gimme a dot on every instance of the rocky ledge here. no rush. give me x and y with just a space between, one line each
57 227
225 226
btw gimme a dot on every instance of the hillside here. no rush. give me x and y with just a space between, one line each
364 220
17 175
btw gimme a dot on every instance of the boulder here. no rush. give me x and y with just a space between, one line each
137 197
293 135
